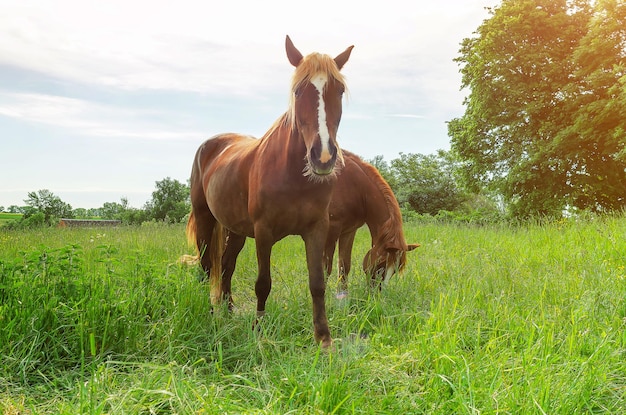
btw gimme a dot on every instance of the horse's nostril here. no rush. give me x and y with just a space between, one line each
315 153
323 154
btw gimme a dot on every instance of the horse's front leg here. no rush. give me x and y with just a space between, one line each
263 285
314 243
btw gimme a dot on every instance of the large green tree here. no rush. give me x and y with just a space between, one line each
544 103
595 143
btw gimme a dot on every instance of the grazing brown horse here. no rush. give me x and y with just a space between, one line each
362 196
276 186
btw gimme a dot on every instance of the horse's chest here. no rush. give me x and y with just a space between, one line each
291 206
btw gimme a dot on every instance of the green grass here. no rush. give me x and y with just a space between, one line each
8 217
488 320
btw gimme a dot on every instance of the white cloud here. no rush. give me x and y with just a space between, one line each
89 119
226 46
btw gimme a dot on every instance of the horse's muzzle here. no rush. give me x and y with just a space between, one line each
323 161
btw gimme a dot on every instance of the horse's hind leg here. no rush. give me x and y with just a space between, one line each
344 259
205 223
234 245
329 250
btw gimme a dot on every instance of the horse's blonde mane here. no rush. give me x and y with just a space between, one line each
311 65
283 120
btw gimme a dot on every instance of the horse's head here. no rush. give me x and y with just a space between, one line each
315 110
381 263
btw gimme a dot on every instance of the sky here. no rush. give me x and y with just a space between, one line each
100 100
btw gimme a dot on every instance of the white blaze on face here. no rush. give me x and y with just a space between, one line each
319 82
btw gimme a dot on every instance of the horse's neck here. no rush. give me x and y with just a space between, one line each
381 215
376 212
281 143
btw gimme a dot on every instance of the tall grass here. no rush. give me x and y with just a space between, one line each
494 319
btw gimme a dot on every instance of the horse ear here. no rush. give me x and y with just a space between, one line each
342 58
293 54
411 247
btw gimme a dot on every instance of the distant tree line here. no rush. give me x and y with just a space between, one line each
169 203
430 186
426 186
423 184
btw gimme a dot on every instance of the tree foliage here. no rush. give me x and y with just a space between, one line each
123 212
49 205
170 201
15 209
426 183
544 119
114 210
595 142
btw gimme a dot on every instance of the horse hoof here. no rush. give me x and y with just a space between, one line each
341 295
324 340
327 344
256 325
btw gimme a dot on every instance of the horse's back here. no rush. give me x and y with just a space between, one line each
220 178
211 150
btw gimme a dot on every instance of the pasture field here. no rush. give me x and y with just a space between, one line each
485 320
7 217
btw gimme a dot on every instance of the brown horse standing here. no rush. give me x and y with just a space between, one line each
273 187
361 196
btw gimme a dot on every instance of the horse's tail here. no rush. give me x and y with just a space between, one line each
215 255
215 251
191 230
191 240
